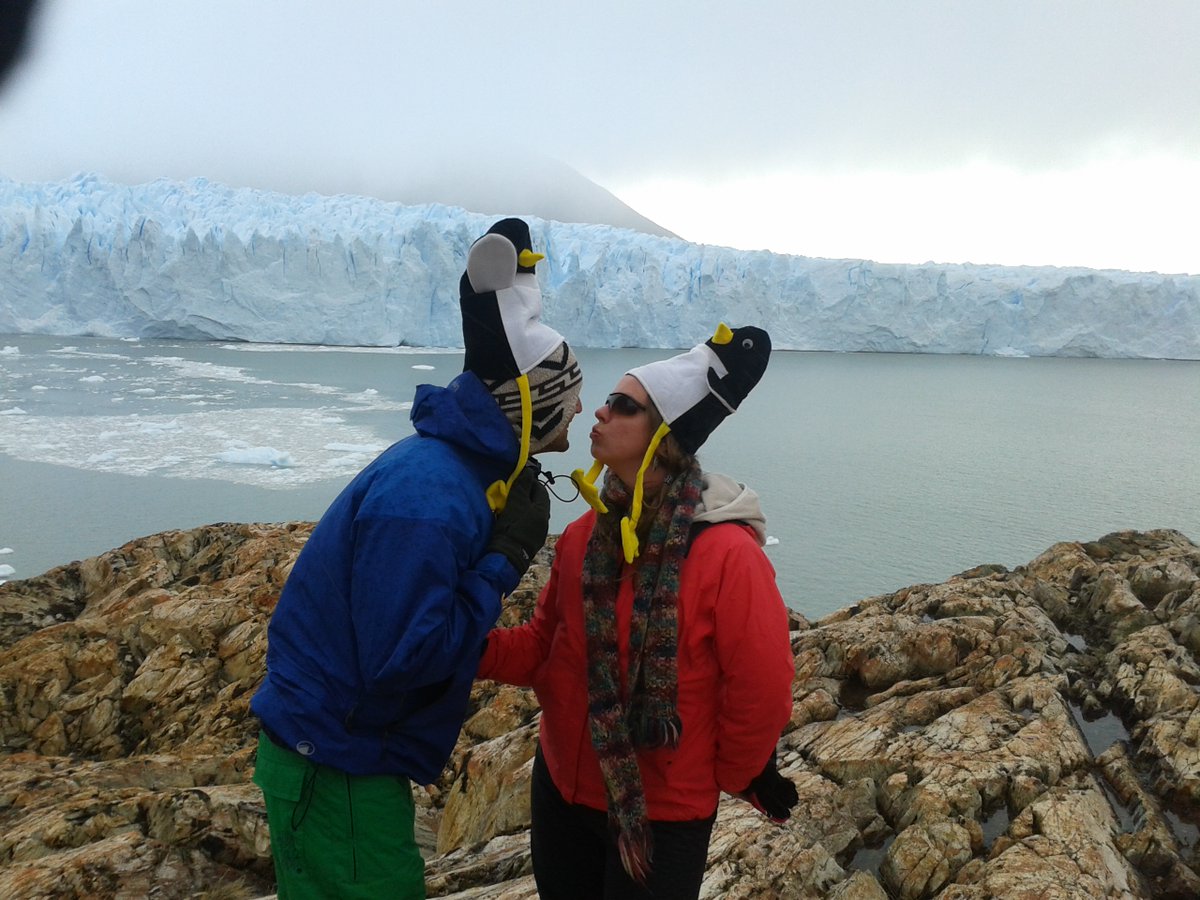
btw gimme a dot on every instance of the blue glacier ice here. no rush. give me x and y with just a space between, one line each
197 260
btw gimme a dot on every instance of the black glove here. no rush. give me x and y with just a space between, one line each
771 794
520 529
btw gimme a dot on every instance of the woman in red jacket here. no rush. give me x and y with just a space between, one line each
659 648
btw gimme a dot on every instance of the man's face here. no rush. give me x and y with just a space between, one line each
561 441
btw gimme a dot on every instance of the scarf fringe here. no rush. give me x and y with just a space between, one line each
652 734
636 852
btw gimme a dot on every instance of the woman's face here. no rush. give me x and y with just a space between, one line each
622 434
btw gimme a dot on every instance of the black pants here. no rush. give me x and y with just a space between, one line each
575 854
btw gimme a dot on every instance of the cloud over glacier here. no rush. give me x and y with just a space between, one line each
197 260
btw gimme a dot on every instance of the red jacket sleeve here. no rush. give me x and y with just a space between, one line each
513 655
754 652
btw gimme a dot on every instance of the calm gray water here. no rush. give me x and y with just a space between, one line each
876 470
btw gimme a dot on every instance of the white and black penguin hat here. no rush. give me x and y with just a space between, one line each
501 305
526 364
694 392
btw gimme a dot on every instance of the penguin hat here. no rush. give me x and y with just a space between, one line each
509 347
694 392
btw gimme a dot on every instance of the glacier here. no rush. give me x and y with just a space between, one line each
201 261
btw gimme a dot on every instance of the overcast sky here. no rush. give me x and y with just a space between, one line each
1039 133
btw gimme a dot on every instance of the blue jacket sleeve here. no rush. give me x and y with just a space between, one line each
420 610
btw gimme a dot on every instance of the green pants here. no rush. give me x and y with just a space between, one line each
335 835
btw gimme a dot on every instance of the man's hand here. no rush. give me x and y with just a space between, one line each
520 529
771 794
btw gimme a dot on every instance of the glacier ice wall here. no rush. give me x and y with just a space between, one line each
197 260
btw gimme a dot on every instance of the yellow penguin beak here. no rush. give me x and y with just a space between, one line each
528 259
722 335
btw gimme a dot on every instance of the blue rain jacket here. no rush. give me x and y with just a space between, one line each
377 634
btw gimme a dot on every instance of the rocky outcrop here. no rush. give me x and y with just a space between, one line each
1024 733
125 726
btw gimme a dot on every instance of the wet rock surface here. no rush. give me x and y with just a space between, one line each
1024 733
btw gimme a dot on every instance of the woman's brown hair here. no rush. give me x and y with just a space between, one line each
668 456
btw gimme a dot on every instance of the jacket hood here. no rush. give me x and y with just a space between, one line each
465 414
726 500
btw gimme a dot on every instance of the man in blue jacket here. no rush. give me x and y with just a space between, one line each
377 635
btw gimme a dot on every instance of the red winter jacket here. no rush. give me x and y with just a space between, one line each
735 671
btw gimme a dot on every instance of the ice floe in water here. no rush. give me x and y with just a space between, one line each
160 411
256 347
257 456
271 447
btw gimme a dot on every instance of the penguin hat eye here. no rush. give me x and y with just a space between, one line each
747 343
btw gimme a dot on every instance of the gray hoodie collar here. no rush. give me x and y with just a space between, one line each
725 500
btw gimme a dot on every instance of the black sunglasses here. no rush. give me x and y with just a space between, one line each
623 404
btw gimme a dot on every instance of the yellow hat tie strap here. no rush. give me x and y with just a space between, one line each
587 486
629 523
497 493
